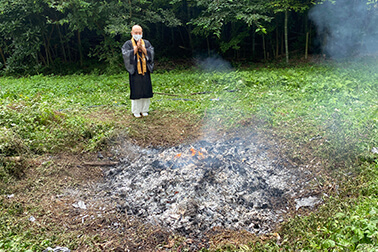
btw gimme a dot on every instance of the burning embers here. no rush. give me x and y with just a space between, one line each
191 189
194 153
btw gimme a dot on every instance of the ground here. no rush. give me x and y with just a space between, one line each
54 183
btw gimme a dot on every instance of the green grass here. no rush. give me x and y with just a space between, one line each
341 224
337 103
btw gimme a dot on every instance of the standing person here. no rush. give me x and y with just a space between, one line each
138 56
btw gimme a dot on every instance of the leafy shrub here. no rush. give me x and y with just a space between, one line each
11 143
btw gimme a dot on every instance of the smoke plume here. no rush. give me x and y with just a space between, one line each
213 63
347 27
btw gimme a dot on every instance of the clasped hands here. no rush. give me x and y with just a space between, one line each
140 47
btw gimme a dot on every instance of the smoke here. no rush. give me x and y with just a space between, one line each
222 84
347 27
213 63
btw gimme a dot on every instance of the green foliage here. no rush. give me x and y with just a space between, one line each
218 13
40 35
19 235
22 28
340 100
334 103
34 113
338 225
38 109
44 36
288 5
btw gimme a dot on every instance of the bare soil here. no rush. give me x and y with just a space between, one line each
53 183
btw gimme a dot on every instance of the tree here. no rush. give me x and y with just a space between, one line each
44 35
286 6
217 16
79 15
23 31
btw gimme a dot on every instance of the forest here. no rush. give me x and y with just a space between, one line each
51 36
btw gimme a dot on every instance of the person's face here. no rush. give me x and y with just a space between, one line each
137 31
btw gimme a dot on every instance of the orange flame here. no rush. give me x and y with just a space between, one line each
193 151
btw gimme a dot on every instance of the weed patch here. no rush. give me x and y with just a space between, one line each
324 117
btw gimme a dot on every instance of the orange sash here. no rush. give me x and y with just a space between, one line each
142 69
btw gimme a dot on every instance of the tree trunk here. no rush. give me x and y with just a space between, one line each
3 57
208 45
253 43
47 53
68 48
173 37
42 59
310 38
52 56
307 38
157 31
80 47
286 37
189 27
264 49
62 44
277 42
182 36
306 50
35 55
189 31
162 32
49 57
69 53
282 42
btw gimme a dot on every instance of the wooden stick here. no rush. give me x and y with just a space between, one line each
100 163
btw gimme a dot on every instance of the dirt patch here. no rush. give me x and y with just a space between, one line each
54 184
160 128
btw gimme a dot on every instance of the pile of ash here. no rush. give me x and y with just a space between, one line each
232 183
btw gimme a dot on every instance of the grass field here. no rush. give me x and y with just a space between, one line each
325 112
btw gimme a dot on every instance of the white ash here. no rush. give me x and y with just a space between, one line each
307 202
230 183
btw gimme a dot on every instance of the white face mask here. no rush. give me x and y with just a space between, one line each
137 37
